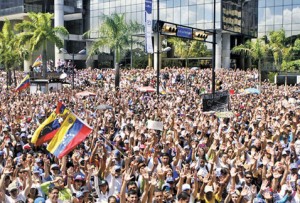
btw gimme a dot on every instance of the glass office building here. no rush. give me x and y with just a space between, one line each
278 14
236 20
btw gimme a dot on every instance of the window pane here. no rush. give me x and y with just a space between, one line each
278 15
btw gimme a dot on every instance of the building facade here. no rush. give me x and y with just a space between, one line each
236 20
278 14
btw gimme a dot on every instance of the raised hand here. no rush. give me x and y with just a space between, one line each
245 191
233 172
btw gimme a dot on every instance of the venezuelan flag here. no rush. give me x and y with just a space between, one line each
38 61
60 108
71 133
46 130
24 84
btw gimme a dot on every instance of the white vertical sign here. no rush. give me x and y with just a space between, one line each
148 26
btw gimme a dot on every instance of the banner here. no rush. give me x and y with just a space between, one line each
148 26
155 125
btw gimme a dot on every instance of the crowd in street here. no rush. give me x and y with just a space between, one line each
252 156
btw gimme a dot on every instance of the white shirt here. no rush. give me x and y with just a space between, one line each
20 197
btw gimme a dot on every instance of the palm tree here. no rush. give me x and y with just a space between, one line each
256 50
114 33
38 31
281 49
11 50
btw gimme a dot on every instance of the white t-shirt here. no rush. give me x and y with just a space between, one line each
20 197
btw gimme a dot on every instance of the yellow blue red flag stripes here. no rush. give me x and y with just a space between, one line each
38 61
46 130
24 84
71 133
60 108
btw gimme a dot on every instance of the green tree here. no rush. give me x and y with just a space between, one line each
38 31
256 50
280 48
187 48
114 33
11 50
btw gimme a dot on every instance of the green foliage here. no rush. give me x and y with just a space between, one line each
140 59
187 48
38 30
115 33
271 76
12 51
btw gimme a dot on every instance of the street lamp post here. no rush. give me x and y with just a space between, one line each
157 52
214 54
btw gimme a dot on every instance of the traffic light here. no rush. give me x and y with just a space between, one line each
219 85
200 35
169 29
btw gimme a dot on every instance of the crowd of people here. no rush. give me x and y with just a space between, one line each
251 156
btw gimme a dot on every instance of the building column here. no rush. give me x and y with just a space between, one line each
226 50
156 49
58 21
28 62
218 49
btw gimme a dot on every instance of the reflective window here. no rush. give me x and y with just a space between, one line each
296 14
192 14
278 2
287 2
261 16
261 3
270 3
278 15
296 2
184 15
176 3
184 2
269 15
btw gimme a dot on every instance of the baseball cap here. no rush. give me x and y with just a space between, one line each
102 182
79 177
136 149
79 194
170 180
208 188
117 167
142 146
39 200
27 147
54 166
165 186
293 166
126 141
12 186
186 187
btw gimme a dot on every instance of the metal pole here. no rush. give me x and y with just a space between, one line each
130 53
73 71
214 54
157 52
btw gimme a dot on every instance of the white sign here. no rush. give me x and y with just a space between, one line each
148 26
155 125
